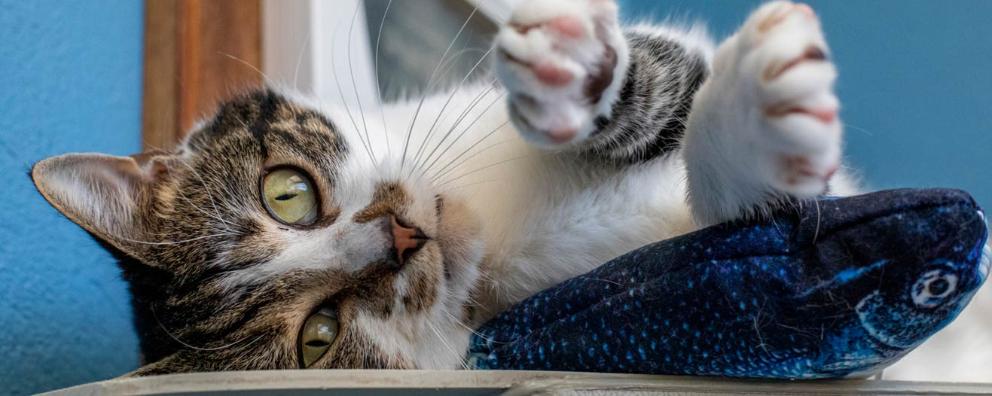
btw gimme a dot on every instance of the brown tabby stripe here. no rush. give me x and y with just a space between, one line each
649 117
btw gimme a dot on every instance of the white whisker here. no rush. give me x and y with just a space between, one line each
461 356
463 325
430 80
193 347
458 121
378 88
482 169
354 86
244 62
299 61
448 168
125 239
466 159
344 103
444 107
466 130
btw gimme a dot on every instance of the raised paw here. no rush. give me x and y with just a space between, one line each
764 126
781 63
559 61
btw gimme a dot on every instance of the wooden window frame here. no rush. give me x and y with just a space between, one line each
197 52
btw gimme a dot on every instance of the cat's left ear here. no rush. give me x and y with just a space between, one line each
109 196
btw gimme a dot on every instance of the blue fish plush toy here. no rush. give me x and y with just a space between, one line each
838 287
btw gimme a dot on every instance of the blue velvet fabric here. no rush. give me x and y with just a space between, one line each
837 287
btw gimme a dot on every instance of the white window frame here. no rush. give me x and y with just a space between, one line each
305 43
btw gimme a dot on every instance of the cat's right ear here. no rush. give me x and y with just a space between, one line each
109 196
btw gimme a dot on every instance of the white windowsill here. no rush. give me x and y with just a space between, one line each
407 382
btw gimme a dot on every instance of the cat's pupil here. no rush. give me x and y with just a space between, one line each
294 189
317 343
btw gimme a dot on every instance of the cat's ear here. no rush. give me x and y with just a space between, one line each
108 196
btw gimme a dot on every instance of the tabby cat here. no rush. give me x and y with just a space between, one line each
285 233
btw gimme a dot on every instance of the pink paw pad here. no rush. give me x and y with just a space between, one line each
567 26
811 54
800 167
826 115
561 136
552 75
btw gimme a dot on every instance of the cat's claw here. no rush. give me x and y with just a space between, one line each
558 60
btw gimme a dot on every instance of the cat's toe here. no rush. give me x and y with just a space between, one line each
787 58
805 176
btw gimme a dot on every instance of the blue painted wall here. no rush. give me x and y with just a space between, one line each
70 80
915 83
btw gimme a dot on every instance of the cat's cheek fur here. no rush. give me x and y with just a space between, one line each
421 340
343 246
459 235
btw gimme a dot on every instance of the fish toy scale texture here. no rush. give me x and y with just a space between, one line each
835 288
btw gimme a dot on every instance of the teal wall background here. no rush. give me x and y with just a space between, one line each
70 80
915 83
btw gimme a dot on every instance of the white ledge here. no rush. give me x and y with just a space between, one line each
410 382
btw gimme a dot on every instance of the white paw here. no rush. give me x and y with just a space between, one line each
560 61
779 65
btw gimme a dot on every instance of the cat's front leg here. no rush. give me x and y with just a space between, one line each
764 126
561 62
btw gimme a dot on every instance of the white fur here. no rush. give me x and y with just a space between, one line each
435 339
343 245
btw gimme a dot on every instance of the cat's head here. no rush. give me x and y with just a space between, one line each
267 241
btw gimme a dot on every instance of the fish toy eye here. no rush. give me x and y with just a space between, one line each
933 288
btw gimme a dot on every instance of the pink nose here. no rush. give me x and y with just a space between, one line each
406 240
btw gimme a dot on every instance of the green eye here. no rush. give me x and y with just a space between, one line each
290 197
318 333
